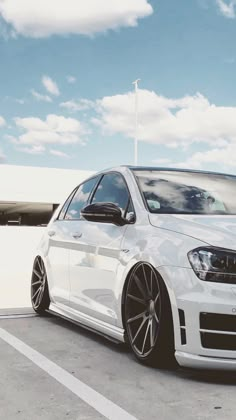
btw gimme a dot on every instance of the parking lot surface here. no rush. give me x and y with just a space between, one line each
29 391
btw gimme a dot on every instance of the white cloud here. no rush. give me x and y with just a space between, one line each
44 18
227 8
167 121
71 79
58 153
2 121
20 101
162 161
81 105
50 85
55 129
39 97
33 150
225 157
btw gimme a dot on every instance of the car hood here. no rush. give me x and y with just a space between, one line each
214 230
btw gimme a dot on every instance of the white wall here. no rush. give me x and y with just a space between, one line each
38 185
17 250
17 244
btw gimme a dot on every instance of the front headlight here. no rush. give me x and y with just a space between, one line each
214 264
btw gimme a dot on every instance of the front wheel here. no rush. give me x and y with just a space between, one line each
39 287
148 318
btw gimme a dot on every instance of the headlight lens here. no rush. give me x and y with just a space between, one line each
214 264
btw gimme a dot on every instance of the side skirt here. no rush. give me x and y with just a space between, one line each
108 331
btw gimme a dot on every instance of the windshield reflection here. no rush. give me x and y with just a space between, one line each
176 192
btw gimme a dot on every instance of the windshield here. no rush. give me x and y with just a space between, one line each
176 192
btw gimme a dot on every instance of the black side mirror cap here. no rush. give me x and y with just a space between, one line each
103 213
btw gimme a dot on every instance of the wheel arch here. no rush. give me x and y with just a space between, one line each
126 284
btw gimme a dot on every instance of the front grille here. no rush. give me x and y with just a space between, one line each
217 322
218 341
211 328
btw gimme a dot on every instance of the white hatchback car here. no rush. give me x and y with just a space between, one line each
147 256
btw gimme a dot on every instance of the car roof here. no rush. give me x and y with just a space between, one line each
133 168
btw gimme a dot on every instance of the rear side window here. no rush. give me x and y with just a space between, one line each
80 199
64 208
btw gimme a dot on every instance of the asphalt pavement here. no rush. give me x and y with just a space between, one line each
51 369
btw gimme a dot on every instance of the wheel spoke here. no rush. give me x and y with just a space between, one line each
37 274
152 334
146 282
139 329
156 318
145 338
157 297
140 286
40 266
136 299
134 318
37 301
36 282
35 294
151 283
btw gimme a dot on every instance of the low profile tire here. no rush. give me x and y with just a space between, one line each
148 318
39 287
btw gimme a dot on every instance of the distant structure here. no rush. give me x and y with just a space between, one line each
29 195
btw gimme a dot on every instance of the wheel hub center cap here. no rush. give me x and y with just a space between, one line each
151 307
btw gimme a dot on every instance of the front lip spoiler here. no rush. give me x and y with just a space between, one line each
205 362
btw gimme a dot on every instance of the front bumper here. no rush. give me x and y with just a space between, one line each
204 362
204 316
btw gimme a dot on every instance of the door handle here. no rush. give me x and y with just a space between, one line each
77 235
51 233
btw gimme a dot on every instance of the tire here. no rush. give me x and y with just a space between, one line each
148 318
39 287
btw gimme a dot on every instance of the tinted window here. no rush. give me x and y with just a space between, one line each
187 192
80 199
64 208
112 189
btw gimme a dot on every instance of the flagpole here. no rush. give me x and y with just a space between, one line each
135 83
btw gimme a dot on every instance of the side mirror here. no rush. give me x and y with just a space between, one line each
103 213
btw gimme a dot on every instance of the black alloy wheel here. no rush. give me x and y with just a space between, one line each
148 318
39 287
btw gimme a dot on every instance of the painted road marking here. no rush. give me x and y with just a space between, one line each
17 316
101 404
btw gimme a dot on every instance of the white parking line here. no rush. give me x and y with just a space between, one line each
17 316
101 404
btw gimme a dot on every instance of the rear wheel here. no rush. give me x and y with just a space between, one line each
148 318
39 287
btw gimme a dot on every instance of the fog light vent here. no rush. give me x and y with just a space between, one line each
182 327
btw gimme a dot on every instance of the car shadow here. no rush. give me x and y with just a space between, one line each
219 377
88 333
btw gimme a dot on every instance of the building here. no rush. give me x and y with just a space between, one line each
29 195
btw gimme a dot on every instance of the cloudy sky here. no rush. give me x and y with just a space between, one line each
66 73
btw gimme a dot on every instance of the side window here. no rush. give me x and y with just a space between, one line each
80 199
64 208
112 188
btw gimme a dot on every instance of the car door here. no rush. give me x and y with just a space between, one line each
58 257
62 235
95 255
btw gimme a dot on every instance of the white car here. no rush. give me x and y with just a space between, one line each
146 256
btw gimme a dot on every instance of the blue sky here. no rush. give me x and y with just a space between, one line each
66 73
